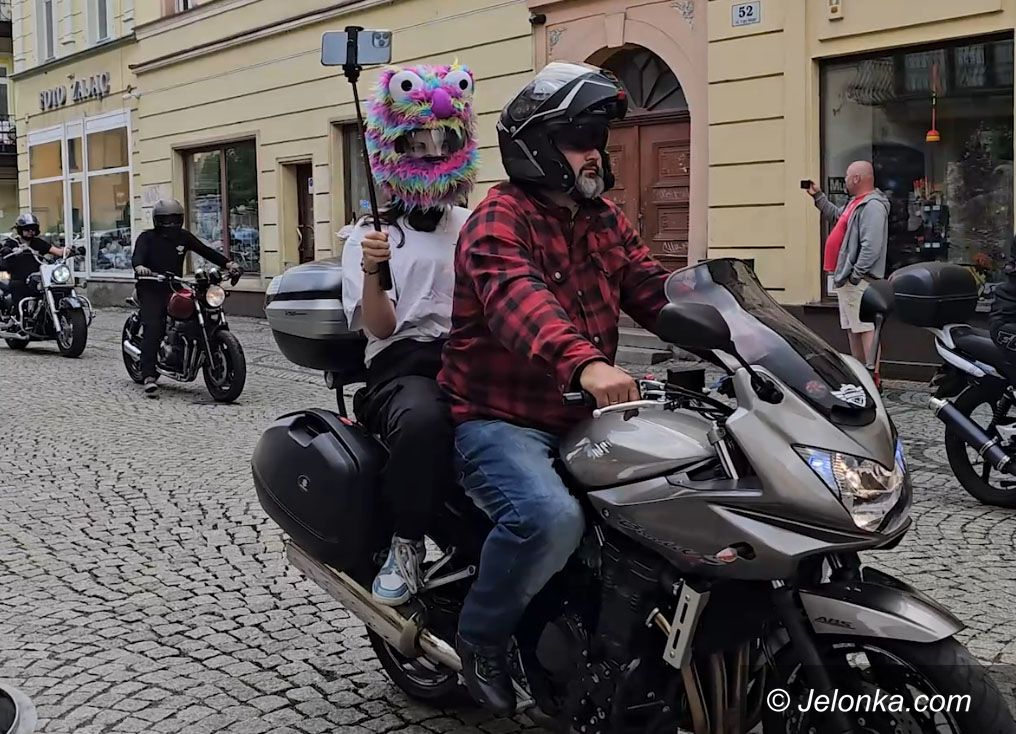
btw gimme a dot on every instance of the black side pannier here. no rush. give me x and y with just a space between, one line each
317 476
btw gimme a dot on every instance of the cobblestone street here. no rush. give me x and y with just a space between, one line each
144 589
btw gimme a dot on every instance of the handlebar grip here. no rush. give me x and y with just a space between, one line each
581 399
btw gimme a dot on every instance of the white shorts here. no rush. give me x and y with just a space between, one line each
849 298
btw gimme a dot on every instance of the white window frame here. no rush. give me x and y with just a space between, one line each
42 52
81 128
98 33
184 5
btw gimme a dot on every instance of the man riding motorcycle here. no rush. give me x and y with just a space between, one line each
543 268
158 251
20 269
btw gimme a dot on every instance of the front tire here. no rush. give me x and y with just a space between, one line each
944 668
226 373
130 330
75 322
972 471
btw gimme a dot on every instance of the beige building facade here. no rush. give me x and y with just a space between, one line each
798 89
224 105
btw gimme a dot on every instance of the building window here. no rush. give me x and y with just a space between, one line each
222 201
101 17
80 188
951 190
172 7
356 192
47 30
182 5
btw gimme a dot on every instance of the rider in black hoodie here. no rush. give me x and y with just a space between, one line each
156 252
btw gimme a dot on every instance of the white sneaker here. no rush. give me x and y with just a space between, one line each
400 576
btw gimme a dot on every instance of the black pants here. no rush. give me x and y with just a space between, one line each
153 303
405 406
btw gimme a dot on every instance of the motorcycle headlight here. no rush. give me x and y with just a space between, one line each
215 296
869 491
61 274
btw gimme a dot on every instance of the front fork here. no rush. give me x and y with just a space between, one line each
53 311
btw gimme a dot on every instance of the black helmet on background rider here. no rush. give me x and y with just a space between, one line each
566 106
27 225
167 213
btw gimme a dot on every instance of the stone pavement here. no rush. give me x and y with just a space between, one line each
144 590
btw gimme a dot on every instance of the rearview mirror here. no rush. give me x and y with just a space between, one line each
694 326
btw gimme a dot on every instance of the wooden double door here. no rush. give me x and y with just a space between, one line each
651 160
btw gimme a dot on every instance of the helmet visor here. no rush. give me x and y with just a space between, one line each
580 137
439 142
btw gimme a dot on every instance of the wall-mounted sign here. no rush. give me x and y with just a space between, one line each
80 90
746 13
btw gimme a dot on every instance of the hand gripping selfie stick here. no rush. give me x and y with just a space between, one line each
352 70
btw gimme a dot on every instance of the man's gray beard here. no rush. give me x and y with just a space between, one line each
589 187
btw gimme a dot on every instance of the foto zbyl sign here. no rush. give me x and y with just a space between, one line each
80 90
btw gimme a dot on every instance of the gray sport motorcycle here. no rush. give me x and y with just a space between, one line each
719 585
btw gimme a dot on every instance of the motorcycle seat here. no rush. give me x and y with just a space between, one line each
977 343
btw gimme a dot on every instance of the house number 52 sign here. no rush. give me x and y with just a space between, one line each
746 13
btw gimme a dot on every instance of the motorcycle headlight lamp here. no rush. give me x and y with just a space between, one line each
61 275
215 296
869 491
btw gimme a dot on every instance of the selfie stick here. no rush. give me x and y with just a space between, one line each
352 70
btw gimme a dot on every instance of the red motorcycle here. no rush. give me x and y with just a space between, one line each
197 337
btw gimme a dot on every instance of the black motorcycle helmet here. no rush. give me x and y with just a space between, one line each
28 222
167 213
568 105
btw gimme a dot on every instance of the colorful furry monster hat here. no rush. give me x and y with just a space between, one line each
421 135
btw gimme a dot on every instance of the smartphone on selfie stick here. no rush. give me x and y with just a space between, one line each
352 49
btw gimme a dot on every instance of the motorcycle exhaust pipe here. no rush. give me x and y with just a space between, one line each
986 447
399 632
131 350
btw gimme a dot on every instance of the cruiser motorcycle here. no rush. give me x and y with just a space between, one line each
197 337
721 559
53 311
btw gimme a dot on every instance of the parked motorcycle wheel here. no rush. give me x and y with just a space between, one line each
419 678
130 329
74 324
226 374
944 668
17 344
972 471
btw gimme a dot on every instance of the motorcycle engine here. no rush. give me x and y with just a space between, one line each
600 668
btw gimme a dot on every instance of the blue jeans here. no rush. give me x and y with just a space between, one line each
508 472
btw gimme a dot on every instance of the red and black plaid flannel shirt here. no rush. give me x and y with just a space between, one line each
538 296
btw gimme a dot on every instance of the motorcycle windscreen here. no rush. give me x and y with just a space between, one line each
765 334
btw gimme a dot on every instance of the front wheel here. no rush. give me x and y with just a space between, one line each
226 370
130 331
985 407
925 688
73 334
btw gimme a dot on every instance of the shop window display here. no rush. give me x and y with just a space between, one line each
937 124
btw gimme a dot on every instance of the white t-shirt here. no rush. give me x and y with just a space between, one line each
423 274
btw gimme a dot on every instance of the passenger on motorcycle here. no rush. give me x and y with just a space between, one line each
158 251
21 268
421 137
543 268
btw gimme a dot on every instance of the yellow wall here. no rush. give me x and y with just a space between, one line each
270 86
764 134
75 29
28 86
